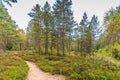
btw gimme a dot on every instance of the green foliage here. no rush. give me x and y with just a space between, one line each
116 51
9 47
111 24
12 67
10 36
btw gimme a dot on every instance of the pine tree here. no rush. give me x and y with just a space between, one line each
94 31
35 27
62 10
46 17
53 36
83 29
9 2
88 31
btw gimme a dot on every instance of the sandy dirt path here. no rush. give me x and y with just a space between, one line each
36 74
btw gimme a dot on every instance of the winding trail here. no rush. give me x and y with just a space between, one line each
36 74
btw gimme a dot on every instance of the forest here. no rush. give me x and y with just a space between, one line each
57 44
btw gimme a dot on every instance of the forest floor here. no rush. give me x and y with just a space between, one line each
35 73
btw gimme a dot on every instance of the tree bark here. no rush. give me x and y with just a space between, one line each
57 43
46 43
63 49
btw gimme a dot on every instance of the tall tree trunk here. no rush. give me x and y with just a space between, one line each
63 49
78 47
51 43
46 43
51 49
57 43
69 46
81 51
111 42
39 46
20 46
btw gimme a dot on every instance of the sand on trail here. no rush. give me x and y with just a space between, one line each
35 73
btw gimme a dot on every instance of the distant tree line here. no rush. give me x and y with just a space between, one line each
53 30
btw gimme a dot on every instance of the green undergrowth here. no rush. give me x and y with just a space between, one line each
75 67
12 67
111 51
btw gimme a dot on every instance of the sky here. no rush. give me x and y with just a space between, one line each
19 11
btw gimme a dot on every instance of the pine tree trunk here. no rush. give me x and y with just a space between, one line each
63 51
46 43
39 46
78 47
111 41
69 46
57 43
51 43
81 51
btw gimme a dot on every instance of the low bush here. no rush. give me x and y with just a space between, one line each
116 53
12 67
